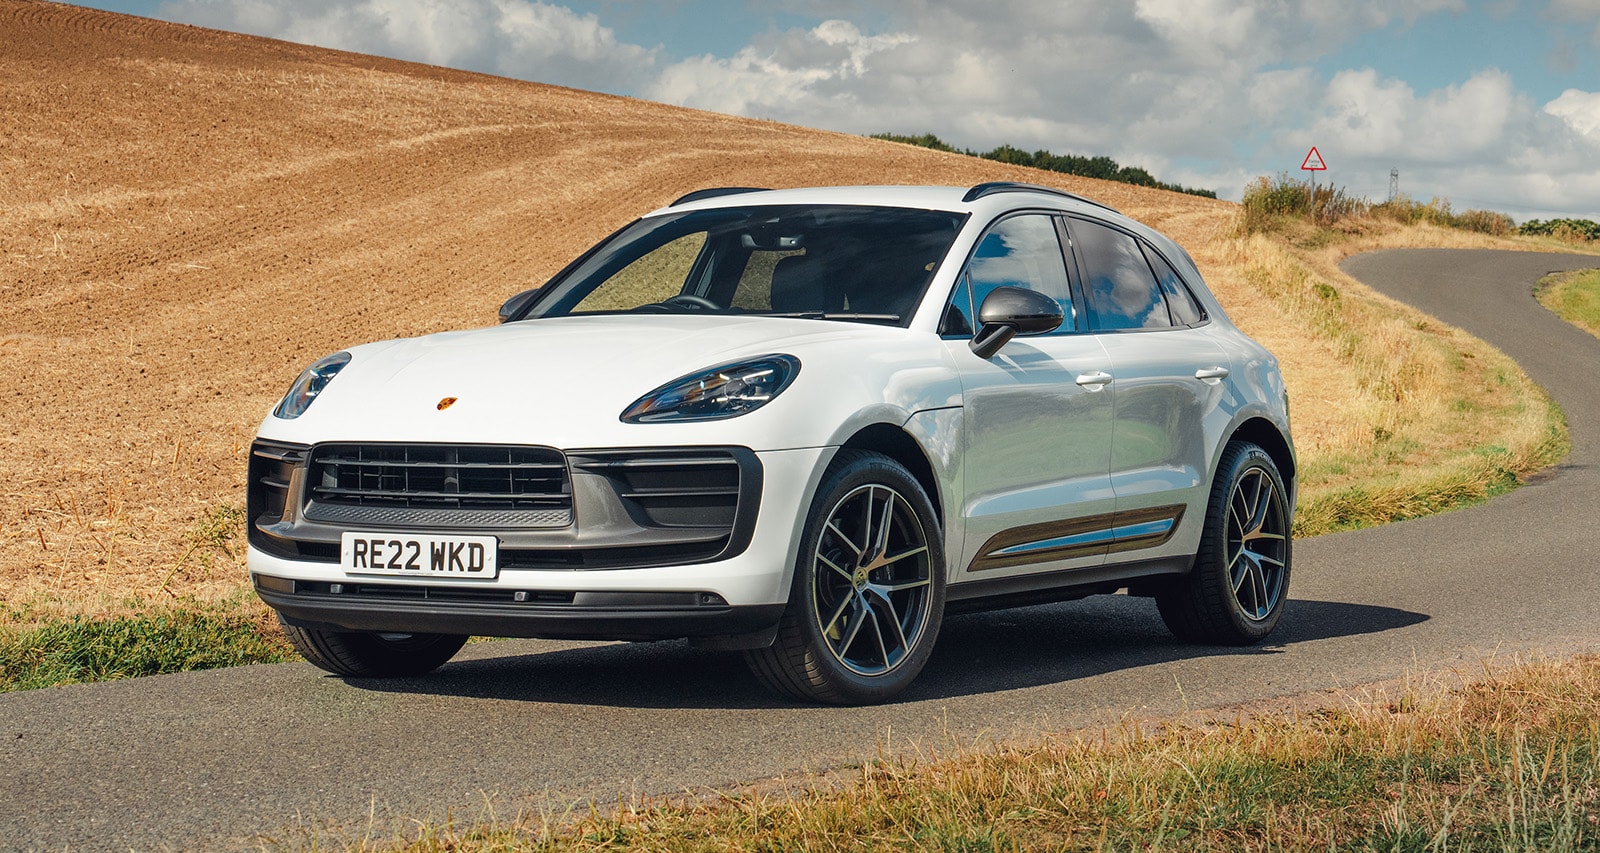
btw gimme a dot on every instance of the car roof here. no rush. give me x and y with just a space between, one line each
995 196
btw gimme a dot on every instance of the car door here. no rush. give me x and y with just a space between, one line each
1169 375
1037 418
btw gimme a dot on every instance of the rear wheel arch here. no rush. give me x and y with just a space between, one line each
1265 434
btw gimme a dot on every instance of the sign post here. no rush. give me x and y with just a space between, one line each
1313 164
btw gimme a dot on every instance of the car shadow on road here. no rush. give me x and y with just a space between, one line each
976 654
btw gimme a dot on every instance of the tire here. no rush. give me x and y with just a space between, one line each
862 618
369 655
1235 593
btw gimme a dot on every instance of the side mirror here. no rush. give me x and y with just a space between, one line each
513 307
1011 311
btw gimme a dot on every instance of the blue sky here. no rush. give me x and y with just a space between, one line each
1488 103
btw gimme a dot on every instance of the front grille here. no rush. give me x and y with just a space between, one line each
437 485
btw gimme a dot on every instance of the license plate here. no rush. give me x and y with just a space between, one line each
418 555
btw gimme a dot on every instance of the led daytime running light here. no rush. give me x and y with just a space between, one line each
720 392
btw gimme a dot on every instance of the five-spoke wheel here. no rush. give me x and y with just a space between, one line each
1258 544
868 591
871 580
1236 591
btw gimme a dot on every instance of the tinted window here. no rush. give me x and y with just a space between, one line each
1022 251
1121 289
845 262
1185 310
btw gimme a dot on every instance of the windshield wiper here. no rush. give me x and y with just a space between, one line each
839 315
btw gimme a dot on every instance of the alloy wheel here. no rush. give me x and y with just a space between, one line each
872 580
1257 544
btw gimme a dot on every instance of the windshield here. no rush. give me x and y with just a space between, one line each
856 263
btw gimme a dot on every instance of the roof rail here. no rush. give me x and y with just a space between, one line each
714 192
993 187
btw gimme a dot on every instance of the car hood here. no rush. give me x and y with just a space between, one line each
564 382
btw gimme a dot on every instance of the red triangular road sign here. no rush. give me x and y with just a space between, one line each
1313 162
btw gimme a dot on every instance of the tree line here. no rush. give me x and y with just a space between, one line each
1104 168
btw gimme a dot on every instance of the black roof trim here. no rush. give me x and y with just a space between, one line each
993 187
715 192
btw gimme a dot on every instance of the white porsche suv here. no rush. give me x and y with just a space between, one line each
800 423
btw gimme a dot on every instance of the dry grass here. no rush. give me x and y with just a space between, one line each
1506 762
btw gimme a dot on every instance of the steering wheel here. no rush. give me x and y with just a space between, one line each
689 300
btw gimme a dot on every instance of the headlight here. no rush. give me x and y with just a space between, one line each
305 389
727 391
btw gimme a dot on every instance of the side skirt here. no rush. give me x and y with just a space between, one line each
1046 587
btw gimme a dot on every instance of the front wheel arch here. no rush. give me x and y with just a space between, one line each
895 443
867 594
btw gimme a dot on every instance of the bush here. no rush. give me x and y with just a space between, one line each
1486 222
1267 201
1564 229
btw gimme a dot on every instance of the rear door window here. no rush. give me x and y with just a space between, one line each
1120 287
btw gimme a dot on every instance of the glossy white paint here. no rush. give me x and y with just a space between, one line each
564 382
1012 441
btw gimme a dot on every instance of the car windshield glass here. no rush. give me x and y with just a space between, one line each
854 263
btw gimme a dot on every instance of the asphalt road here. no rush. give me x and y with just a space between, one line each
224 758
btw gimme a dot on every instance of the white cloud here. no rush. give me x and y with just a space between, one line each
795 70
1261 32
1365 116
515 38
1480 143
1580 110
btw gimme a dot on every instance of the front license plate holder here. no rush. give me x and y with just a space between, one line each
419 555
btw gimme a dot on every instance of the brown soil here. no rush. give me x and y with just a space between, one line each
188 217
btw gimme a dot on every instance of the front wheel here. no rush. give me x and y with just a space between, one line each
868 593
358 654
1240 581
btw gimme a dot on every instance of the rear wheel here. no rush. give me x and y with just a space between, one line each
1236 592
868 593
371 655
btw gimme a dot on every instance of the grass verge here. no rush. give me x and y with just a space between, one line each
1508 762
1574 297
146 641
1421 417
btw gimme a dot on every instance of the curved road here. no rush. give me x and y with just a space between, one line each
222 758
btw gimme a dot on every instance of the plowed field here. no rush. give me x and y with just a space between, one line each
188 217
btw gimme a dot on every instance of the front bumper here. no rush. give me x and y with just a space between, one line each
631 599
412 609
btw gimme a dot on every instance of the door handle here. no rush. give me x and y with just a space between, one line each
1094 380
1211 375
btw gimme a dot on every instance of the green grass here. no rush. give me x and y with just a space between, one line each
1574 297
1505 764
174 638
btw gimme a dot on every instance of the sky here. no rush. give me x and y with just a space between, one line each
1490 104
